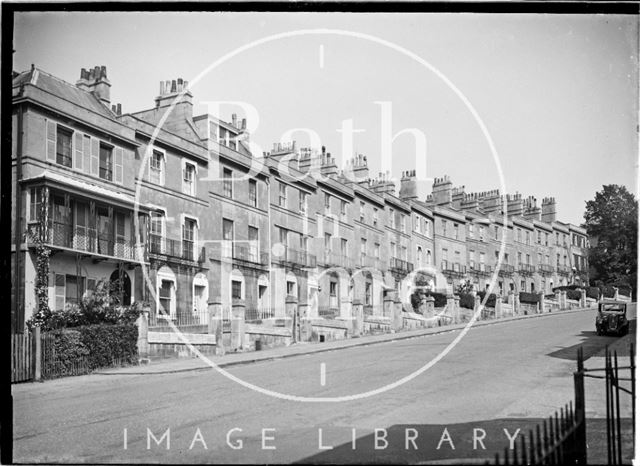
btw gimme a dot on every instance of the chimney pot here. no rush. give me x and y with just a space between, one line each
244 126
119 109
173 85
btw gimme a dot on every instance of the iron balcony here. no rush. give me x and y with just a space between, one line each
526 269
453 269
400 266
546 269
83 239
171 249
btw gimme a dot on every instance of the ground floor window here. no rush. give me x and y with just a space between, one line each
69 289
367 293
166 296
236 289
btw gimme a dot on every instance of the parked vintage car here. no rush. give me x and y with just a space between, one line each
612 318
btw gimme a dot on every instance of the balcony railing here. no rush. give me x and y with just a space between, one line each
564 270
370 261
297 257
245 253
506 269
333 259
173 248
83 239
399 265
546 269
481 270
526 269
453 268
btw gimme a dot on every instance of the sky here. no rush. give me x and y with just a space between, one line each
556 95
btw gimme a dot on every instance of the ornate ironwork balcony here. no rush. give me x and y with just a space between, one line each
59 235
546 269
168 248
333 259
400 266
506 269
297 258
526 269
453 269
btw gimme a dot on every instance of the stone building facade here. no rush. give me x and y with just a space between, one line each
175 207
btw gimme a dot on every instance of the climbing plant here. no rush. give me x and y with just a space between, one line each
43 252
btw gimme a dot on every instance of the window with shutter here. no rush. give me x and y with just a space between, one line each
118 165
95 156
60 292
51 140
86 153
78 163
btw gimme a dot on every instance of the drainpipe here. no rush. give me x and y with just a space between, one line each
19 305
271 293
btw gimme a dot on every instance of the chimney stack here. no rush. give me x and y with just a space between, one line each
548 213
408 186
95 81
441 191
183 108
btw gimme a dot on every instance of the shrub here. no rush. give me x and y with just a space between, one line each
491 300
593 292
607 291
99 307
574 294
108 342
467 300
529 298
440 299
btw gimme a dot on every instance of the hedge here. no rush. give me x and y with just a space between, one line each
65 349
607 291
100 344
593 292
574 294
566 288
440 299
491 301
529 298
467 300
108 342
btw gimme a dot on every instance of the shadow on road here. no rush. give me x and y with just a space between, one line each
594 345
452 443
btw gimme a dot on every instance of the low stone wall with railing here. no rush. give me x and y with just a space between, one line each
233 328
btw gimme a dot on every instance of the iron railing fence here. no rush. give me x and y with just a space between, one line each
162 318
259 314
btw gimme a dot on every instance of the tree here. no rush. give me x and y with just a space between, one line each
611 220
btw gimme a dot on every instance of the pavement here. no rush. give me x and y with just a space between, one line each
173 365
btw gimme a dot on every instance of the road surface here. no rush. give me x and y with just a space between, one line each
501 376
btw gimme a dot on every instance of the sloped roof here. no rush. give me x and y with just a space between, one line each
64 90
